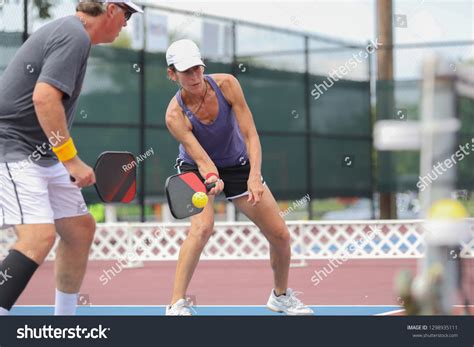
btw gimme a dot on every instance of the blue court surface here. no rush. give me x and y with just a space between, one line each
206 310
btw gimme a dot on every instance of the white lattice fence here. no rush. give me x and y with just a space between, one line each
242 240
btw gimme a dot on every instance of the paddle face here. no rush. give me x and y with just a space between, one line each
116 175
180 189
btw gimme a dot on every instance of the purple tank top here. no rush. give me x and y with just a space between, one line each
221 139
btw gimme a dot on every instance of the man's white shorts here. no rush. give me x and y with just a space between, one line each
32 194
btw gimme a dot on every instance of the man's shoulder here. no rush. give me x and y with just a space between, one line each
66 28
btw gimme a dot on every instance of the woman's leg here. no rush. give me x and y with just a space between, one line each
266 216
202 226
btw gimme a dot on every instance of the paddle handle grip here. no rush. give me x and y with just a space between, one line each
210 186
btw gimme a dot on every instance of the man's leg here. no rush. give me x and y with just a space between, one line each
24 203
266 216
202 226
77 234
35 240
76 227
33 245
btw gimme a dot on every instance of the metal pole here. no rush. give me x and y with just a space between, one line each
373 176
234 72
25 20
307 111
439 143
385 73
234 49
142 89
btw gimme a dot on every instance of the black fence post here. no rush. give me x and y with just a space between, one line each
234 50
233 68
373 152
307 109
142 136
25 20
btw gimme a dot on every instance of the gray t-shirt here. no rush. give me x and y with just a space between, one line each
55 54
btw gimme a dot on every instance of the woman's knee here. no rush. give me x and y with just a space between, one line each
280 237
202 230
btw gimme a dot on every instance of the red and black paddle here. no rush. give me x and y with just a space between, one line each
116 177
180 189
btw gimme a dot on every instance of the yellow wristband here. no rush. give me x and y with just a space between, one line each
66 151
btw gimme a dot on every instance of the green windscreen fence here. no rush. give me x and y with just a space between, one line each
335 151
465 106
341 140
318 146
310 97
9 43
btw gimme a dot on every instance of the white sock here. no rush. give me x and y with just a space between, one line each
4 312
65 304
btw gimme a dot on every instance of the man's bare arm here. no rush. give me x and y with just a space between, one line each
52 118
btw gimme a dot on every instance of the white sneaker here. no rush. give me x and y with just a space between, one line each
288 304
182 307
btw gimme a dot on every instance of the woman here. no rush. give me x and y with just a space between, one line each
218 140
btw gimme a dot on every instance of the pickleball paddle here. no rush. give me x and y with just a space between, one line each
180 189
115 176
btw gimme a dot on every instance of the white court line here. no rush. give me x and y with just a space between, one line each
389 313
399 311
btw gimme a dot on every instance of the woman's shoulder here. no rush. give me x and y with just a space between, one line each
175 116
173 107
227 83
223 79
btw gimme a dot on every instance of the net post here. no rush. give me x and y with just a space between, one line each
302 261
131 264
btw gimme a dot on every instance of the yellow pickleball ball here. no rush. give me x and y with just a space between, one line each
447 209
200 199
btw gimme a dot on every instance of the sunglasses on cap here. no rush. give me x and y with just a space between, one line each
126 10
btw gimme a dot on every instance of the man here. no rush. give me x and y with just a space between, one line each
39 91
210 118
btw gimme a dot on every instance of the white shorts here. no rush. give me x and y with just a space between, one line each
32 194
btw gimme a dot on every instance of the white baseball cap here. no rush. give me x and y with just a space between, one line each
183 54
135 8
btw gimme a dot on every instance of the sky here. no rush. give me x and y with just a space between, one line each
419 21
351 20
